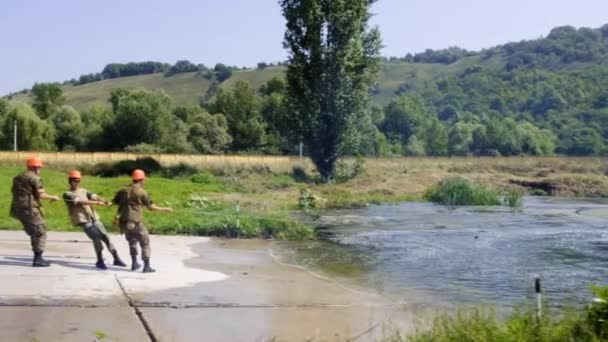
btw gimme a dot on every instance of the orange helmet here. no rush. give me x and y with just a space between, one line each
74 174
138 175
34 162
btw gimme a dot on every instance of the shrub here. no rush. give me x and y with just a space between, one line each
307 200
459 191
298 173
180 170
125 167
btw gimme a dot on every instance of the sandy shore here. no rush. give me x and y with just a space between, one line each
204 290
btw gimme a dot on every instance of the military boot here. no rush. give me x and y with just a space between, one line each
134 264
147 268
100 263
117 261
39 261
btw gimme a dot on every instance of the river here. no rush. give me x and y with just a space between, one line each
427 254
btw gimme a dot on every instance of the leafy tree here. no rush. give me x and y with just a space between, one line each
262 65
222 72
415 147
579 140
535 141
97 119
182 66
48 97
115 70
405 116
436 138
33 133
241 108
333 62
69 129
140 116
209 133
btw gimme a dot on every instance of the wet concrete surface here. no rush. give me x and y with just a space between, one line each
204 290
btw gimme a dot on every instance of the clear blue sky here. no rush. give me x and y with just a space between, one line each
57 40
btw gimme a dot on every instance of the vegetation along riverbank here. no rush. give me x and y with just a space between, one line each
206 196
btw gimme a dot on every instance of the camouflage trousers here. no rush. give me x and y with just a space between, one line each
97 233
36 229
136 232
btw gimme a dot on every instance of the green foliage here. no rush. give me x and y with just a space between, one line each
195 215
115 70
180 170
48 97
208 133
124 167
299 174
333 61
597 313
222 72
140 116
306 200
346 171
68 128
182 67
33 133
242 112
459 191
588 325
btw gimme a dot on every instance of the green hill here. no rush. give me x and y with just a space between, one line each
565 49
542 96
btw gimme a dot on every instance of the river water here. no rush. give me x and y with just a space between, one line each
427 254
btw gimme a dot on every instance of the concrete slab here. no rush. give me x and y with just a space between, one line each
204 289
50 324
277 324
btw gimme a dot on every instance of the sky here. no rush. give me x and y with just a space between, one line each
46 41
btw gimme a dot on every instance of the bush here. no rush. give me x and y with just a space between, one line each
126 167
459 191
180 170
347 171
306 200
298 173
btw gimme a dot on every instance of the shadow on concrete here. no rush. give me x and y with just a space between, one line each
23 261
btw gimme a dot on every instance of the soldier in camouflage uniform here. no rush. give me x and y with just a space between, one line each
79 202
130 201
27 192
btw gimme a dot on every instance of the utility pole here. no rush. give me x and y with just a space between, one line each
15 136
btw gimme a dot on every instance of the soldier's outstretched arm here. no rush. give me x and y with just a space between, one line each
153 207
45 196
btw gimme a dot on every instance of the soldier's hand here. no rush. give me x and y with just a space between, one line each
170 210
54 198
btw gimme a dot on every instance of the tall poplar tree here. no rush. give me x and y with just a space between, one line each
334 59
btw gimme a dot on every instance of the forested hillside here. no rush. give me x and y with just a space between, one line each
535 97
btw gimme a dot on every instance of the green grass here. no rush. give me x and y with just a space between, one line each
459 191
194 214
587 324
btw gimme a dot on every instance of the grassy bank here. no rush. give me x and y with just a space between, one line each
205 195
587 324
199 208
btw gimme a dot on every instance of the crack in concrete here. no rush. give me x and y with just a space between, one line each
138 312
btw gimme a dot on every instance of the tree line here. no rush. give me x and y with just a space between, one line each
493 109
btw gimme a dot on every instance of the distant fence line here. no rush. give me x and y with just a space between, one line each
274 162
